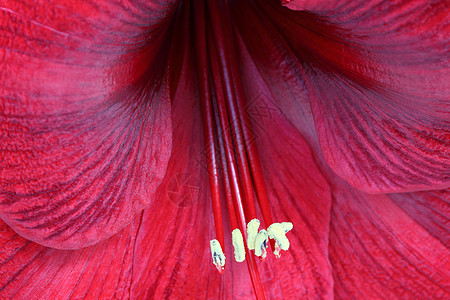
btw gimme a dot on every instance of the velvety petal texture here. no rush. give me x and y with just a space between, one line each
388 250
365 254
376 75
314 5
388 127
102 148
32 271
85 116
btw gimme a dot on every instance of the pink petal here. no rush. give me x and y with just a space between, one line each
85 118
390 247
377 80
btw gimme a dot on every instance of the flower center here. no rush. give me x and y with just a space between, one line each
229 143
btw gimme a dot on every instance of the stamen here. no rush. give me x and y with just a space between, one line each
237 239
252 232
247 152
277 231
226 175
238 244
258 179
261 244
221 28
208 126
229 86
226 138
217 255
222 96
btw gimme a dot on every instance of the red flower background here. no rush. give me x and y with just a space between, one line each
103 187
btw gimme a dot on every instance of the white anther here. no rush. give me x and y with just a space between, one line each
238 244
252 232
261 244
217 255
277 231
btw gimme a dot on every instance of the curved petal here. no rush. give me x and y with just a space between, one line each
269 57
31 271
85 118
385 247
429 210
298 193
378 86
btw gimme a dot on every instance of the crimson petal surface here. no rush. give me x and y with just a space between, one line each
84 119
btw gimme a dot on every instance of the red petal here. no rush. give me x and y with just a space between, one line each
377 81
278 68
83 121
428 209
173 245
32 271
385 247
298 193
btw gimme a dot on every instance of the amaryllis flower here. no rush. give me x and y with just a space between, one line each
135 134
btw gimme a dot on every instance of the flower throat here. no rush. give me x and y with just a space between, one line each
229 143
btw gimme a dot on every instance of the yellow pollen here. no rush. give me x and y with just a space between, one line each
238 244
277 231
252 232
261 244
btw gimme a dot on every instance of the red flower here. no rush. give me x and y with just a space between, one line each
106 146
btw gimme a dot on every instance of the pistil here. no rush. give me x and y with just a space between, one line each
237 238
234 123
248 159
